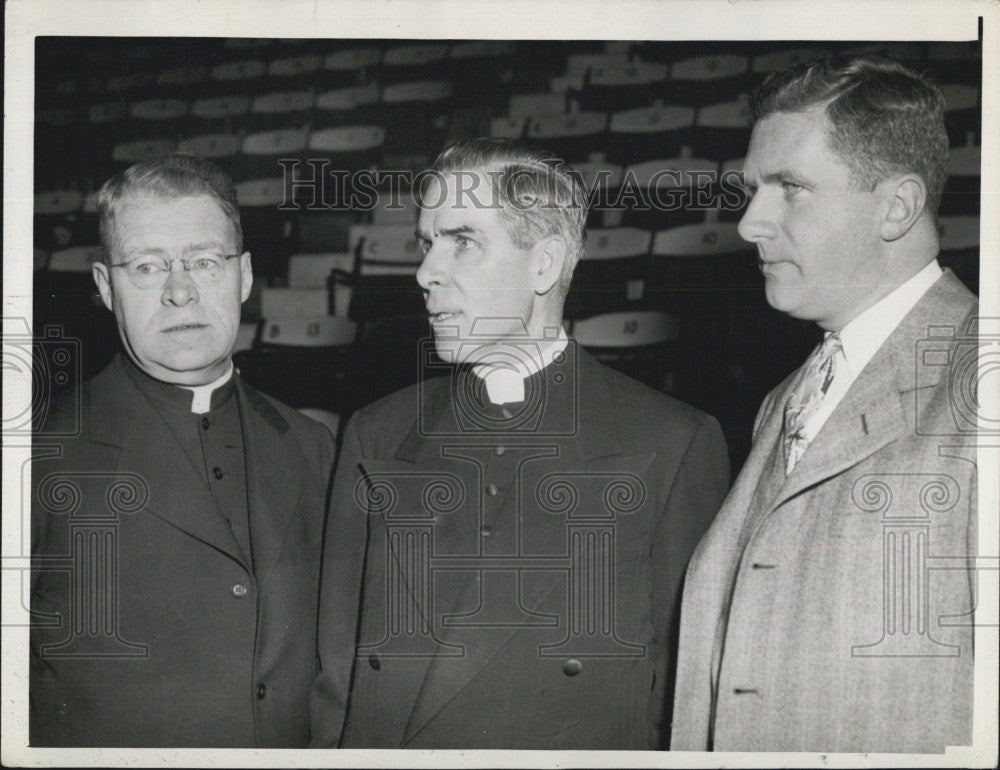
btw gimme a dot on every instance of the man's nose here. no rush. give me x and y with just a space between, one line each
433 269
179 288
758 221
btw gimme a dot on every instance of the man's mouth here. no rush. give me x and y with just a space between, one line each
185 327
444 316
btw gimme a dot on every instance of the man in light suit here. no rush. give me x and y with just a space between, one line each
177 513
517 528
827 608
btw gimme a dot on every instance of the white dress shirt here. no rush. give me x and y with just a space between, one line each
864 335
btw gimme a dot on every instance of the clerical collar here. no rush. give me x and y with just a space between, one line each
195 399
504 368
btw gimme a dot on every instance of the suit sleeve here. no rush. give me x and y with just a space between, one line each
699 486
345 541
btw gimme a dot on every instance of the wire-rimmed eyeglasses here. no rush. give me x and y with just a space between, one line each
149 272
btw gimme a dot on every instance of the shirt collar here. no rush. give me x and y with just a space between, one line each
504 374
196 399
203 394
865 333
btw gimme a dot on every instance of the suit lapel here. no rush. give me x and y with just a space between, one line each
121 416
871 414
273 487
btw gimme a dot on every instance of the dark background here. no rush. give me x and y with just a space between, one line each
97 97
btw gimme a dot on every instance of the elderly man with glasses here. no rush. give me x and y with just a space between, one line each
176 531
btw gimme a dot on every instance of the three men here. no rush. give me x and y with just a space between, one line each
176 532
518 528
812 619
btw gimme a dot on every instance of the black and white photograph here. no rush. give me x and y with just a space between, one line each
594 384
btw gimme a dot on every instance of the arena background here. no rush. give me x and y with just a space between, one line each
668 293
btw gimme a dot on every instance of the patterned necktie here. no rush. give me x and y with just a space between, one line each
807 397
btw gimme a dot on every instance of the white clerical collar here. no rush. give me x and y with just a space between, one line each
506 368
202 400
866 332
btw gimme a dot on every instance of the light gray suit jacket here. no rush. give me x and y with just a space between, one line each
828 611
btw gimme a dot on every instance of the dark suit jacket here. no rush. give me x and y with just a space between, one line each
828 610
177 643
518 576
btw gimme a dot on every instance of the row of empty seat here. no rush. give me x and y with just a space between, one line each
667 291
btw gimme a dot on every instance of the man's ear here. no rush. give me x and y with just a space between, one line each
549 256
103 280
246 277
907 197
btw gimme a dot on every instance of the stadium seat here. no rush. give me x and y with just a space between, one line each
355 105
722 130
634 343
291 73
312 271
351 67
260 152
218 115
281 109
616 87
525 106
657 194
181 82
236 78
304 362
611 276
571 136
221 149
706 79
646 133
159 118
962 113
127 153
416 115
963 185
426 61
269 232
56 219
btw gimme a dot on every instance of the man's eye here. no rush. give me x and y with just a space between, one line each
424 245
790 188
463 243
146 268
205 263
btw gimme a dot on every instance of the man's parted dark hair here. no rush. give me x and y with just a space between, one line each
539 193
885 118
168 176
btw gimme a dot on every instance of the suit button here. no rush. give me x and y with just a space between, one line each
205 423
499 451
572 667
238 590
491 490
261 691
375 662
217 472
486 530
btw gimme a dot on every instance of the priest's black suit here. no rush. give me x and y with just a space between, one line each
519 567
154 626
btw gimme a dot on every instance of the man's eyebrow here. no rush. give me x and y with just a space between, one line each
190 248
448 232
781 175
206 245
